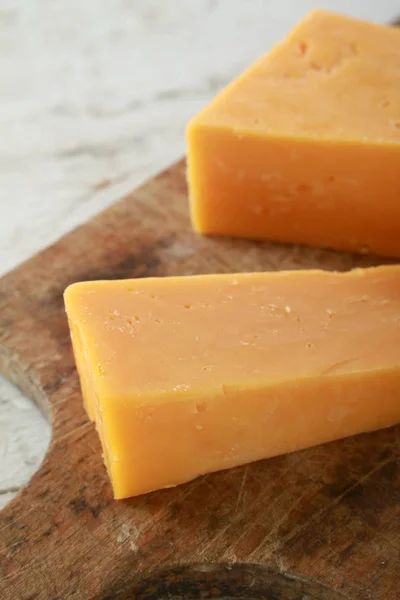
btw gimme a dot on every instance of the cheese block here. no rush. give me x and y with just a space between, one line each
304 147
187 375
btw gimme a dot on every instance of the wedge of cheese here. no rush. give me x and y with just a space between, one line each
304 147
189 375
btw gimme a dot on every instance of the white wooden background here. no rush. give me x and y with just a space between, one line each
94 98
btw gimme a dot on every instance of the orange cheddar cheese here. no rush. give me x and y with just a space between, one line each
304 147
188 375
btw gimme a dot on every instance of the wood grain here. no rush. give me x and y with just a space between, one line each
330 513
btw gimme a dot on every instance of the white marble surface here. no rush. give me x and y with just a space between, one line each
94 99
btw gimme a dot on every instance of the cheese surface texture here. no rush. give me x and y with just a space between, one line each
188 375
304 147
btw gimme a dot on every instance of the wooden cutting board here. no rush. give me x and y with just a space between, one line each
330 513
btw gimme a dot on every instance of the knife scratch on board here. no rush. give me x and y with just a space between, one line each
241 489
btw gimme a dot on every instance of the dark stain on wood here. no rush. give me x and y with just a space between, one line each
224 582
